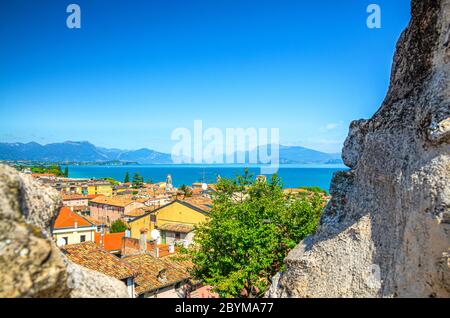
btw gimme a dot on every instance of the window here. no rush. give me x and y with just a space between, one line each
177 235
82 238
66 239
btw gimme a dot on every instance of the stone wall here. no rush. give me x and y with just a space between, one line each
386 231
31 265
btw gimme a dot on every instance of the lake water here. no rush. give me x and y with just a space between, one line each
291 175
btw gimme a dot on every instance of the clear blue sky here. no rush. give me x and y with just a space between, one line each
138 69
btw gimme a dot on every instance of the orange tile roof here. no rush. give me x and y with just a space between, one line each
111 241
93 220
93 196
201 203
197 191
92 256
119 200
66 219
67 197
149 267
140 211
176 227
37 175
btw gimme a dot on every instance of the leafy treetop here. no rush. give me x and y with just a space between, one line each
117 227
252 227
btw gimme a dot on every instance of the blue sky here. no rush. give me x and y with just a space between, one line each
136 70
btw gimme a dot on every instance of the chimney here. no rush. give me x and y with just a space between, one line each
102 239
143 241
162 275
76 224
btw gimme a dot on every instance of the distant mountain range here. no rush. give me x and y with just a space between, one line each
83 151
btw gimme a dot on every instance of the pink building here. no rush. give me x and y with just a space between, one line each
74 200
109 209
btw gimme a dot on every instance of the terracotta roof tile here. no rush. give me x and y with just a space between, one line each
92 256
149 267
67 197
37 175
66 218
119 200
176 227
140 211
93 220
202 203
93 196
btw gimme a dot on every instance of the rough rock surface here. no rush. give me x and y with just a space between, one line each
30 263
386 231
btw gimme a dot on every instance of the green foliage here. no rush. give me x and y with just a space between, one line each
118 226
186 191
127 178
138 181
53 169
253 226
66 171
315 190
111 180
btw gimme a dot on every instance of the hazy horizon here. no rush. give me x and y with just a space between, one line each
138 148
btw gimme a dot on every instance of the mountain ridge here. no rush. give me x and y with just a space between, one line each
84 151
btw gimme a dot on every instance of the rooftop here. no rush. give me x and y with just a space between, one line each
39 175
139 211
93 196
118 200
173 271
92 256
202 203
67 218
92 220
176 227
67 197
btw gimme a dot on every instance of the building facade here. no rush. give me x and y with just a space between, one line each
72 228
109 209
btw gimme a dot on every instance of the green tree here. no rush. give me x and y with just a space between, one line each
127 178
186 191
138 181
117 226
111 180
53 169
252 227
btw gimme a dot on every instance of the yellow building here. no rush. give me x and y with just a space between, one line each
146 221
72 228
104 188
179 214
